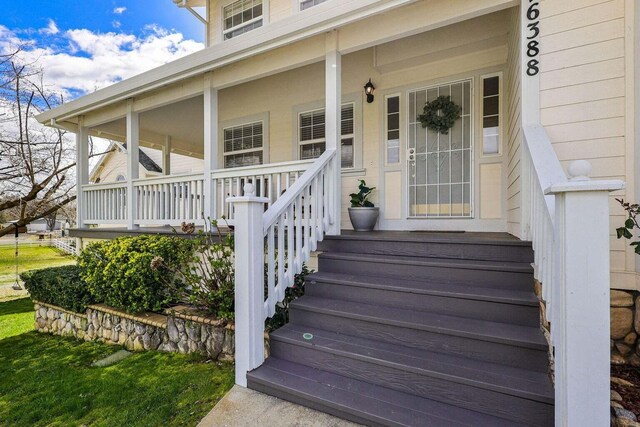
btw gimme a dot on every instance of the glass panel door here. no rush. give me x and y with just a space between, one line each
439 165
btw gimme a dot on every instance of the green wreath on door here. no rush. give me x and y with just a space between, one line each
440 114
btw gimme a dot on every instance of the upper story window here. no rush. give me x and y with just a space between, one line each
306 4
243 145
241 16
311 133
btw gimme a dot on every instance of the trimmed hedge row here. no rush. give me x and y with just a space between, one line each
61 286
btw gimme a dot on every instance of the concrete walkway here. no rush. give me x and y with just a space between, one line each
243 407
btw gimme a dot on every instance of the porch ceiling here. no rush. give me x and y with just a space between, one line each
183 121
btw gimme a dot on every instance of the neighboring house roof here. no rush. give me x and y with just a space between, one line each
146 161
143 158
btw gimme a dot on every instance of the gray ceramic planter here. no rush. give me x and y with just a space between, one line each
363 219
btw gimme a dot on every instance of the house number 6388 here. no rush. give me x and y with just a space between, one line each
533 12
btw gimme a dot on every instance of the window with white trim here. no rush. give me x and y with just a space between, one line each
312 139
393 129
243 145
240 17
491 115
306 4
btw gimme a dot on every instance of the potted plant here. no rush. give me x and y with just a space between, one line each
362 213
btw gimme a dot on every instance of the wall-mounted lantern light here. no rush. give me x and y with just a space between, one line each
369 88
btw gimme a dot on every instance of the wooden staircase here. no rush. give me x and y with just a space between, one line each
416 329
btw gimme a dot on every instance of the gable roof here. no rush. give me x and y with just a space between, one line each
146 161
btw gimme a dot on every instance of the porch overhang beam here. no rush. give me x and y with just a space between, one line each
325 17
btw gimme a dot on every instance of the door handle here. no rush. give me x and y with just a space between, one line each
411 154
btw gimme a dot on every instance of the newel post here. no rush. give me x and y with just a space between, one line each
580 325
249 282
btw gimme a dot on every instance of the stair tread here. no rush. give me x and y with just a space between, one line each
482 238
507 296
486 375
366 401
524 336
518 267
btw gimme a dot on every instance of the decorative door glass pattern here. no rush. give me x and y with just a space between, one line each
439 166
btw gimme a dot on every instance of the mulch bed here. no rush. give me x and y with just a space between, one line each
630 395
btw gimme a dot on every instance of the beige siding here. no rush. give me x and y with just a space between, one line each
513 134
583 100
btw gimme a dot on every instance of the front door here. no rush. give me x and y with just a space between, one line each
439 175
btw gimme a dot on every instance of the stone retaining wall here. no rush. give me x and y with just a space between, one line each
625 327
177 331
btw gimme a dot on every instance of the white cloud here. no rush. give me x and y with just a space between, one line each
115 23
81 61
119 10
50 29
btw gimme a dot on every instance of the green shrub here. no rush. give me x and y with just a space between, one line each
136 273
209 276
61 286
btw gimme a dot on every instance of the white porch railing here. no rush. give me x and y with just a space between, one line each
568 224
290 230
269 181
170 199
104 203
173 199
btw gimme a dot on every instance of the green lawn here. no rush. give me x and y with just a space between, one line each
16 317
29 258
49 381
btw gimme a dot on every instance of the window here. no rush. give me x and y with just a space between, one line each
491 115
393 129
243 145
306 4
120 178
312 140
240 17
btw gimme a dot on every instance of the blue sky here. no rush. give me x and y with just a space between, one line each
86 45
99 15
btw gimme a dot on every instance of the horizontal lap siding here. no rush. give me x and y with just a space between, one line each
582 96
513 129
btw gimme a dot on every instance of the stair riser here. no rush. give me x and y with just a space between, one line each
476 309
478 349
461 395
494 252
487 278
347 414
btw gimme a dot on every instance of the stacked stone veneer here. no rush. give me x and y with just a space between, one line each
625 327
176 331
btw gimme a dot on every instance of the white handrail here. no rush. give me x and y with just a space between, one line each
279 207
290 228
567 221
293 166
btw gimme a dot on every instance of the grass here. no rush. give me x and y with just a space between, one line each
29 258
16 317
49 381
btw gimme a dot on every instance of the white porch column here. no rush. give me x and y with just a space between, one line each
166 156
82 171
249 282
133 163
580 325
333 104
211 162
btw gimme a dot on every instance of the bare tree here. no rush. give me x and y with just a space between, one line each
37 163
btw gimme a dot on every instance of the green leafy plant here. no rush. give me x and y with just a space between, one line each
61 286
633 210
136 273
360 199
209 273
281 316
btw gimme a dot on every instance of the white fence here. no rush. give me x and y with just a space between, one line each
65 245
